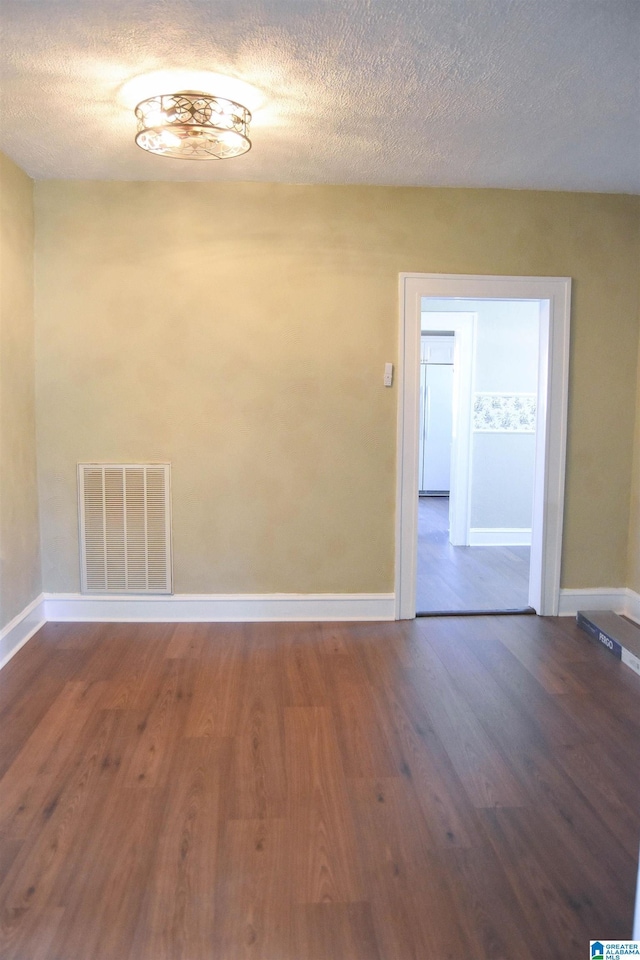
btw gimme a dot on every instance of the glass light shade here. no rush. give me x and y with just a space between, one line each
193 126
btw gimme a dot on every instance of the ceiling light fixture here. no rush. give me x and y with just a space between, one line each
193 126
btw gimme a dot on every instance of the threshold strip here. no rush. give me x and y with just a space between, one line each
520 612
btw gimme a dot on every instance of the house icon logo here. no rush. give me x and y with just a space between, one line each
597 951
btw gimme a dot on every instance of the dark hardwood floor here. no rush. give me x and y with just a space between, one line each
465 578
461 789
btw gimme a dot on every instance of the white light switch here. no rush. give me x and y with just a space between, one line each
388 374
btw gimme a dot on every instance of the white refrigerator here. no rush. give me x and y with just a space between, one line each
436 414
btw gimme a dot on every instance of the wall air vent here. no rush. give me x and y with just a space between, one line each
125 527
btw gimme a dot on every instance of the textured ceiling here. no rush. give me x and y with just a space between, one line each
540 94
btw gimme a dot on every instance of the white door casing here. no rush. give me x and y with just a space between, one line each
554 295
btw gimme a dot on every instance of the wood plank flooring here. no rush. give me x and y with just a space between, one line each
442 789
465 578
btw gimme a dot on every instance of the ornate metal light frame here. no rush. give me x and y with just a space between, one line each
193 126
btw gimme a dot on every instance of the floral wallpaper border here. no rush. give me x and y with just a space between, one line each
504 412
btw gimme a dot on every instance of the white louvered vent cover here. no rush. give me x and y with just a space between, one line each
125 527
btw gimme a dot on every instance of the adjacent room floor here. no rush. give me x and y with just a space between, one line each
465 578
443 788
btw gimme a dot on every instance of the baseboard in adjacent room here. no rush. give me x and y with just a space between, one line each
21 628
500 537
221 607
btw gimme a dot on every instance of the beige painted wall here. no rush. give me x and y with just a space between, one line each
19 534
240 331
633 577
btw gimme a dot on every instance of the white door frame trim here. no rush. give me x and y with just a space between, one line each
546 547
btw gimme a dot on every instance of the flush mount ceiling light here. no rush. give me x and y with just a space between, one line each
193 126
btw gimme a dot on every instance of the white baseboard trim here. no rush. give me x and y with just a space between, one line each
212 608
500 537
21 628
621 600
254 608
633 605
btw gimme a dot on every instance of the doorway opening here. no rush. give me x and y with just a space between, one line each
488 358
477 415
